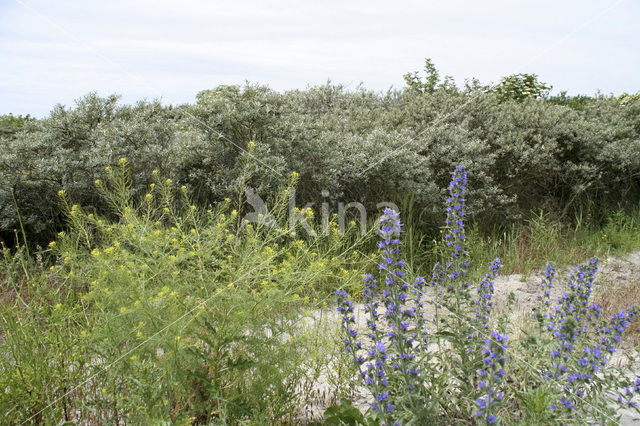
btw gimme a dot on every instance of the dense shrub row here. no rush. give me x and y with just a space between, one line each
527 151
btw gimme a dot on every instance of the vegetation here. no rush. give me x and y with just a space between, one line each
141 283
434 353
528 151
169 313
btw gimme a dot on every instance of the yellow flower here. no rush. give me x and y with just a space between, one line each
122 161
52 244
168 181
136 303
98 182
166 210
95 253
295 174
133 357
184 188
227 200
177 339
148 196
57 306
123 310
62 193
251 144
234 213
108 168
139 334
193 231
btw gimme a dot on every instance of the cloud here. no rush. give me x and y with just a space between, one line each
57 51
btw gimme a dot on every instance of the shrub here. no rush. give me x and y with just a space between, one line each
556 155
518 87
167 312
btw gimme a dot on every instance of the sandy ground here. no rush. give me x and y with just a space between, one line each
522 292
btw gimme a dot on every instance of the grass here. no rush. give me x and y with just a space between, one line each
115 293
524 247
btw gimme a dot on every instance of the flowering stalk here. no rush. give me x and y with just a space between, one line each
492 373
574 324
484 302
390 366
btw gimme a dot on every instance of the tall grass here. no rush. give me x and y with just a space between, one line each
529 245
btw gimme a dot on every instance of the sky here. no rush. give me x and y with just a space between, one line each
53 52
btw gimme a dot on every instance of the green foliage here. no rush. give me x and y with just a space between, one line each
439 353
345 414
166 313
163 312
556 154
518 87
426 84
11 124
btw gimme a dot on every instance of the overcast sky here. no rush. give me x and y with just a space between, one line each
55 51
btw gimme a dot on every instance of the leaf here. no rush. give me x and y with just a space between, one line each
344 414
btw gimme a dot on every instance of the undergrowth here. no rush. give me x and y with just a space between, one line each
432 351
169 313
165 312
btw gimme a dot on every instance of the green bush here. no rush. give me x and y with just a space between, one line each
167 313
527 151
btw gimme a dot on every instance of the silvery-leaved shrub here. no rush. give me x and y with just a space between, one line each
558 154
